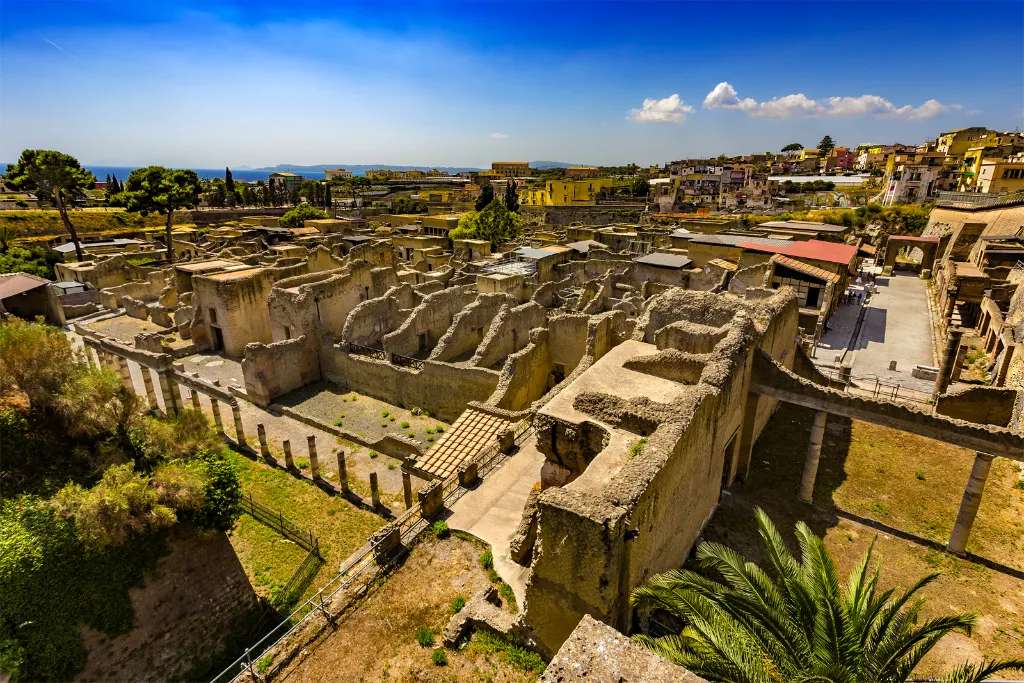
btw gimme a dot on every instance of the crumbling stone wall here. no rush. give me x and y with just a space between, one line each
466 332
427 323
371 320
272 370
508 333
619 516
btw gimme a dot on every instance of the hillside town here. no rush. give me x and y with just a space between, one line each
583 375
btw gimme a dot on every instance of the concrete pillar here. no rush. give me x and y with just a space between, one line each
196 405
289 462
374 491
147 383
236 413
261 434
953 336
169 392
407 487
314 461
970 502
217 419
342 471
813 456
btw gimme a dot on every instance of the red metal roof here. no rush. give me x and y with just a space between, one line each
815 250
19 283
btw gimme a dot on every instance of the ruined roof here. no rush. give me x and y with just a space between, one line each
805 268
12 284
815 250
662 260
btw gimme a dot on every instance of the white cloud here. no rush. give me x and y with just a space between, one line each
724 96
499 136
671 109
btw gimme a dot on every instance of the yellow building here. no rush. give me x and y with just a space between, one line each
808 154
577 172
510 169
568 192
998 176
956 142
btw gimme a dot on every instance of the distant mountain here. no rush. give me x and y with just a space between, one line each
357 169
544 165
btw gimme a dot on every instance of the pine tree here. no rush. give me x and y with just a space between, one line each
826 145
511 196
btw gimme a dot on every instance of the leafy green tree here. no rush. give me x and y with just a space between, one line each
512 196
160 190
793 147
640 187
494 223
54 177
797 623
301 213
485 198
826 145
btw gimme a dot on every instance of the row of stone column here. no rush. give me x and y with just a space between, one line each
969 503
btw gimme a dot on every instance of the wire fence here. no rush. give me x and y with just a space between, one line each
282 525
358 571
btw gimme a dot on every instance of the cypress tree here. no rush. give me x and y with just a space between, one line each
485 198
511 196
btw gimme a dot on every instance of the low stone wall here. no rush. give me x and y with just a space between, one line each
441 388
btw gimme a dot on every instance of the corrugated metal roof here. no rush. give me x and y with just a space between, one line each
805 268
732 240
803 225
13 284
584 246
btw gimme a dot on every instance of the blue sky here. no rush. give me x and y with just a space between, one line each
207 84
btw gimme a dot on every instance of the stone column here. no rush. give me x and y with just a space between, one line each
342 471
407 487
314 461
196 405
813 455
289 462
374 491
217 419
948 360
125 372
947 314
261 434
969 504
147 383
168 391
236 413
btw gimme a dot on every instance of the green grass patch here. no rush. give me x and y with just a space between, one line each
425 636
511 653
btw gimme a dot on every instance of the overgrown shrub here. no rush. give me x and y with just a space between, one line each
424 636
438 657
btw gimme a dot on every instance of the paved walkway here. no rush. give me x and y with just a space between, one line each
896 327
492 512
